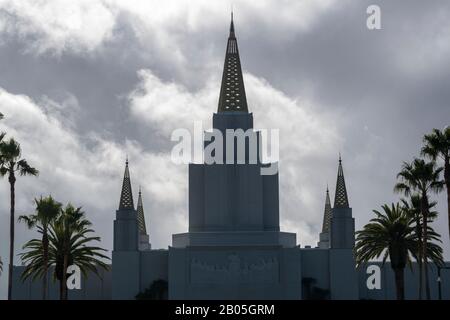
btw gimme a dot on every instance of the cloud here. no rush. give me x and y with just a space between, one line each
84 26
169 105
416 60
58 26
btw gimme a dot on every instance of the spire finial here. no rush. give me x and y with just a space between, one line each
340 159
126 160
232 23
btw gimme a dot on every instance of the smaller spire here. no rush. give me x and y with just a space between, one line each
327 213
140 214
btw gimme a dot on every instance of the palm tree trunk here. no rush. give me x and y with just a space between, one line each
419 255
420 275
447 185
45 254
61 290
64 277
12 180
427 281
399 283
424 205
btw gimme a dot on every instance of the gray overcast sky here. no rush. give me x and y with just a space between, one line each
83 83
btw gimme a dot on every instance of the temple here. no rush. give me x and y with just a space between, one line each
234 248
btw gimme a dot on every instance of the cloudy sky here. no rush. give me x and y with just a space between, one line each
84 83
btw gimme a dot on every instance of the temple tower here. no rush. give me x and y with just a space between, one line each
231 202
343 276
342 232
234 248
130 241
126 229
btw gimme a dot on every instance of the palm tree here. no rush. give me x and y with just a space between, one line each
69 239
47 210
2 135
421 177
389 234
10 164
437 145
412 208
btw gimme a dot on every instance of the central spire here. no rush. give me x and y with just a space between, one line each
232 92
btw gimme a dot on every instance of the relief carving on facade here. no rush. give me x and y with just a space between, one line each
236 270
